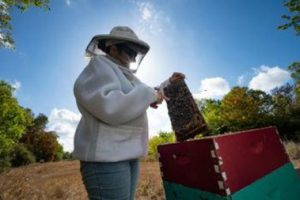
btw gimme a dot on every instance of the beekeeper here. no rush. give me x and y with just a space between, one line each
113 130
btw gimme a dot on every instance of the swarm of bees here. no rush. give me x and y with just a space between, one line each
186 119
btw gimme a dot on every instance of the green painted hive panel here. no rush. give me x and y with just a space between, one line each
175 191
281 184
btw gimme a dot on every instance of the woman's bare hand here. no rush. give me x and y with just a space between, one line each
161 97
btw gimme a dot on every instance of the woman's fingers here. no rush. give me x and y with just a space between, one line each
165 97
161 97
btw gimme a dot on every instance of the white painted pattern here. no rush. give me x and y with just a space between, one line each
221 185
217 168
224 176
228 192
213 154
216 145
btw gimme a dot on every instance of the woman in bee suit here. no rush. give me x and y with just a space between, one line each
113 131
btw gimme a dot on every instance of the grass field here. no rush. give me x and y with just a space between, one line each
62 180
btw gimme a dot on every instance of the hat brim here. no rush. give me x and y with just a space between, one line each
99 41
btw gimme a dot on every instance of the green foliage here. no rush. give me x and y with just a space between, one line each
295 71
161 138
59 153
6 6
11 114
286 112
13 121
244 108
68 156
211 110
40 122
294 68
239 109
21 156
22 134
293 20
5 164
43 144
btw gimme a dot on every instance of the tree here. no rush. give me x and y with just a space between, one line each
286 112
6 38
43 144
294 68
13 120
21 156
38 126
294 17
59 155
46 147
283 100
68 156
244 108
211 110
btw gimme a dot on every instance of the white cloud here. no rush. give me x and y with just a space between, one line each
152 20
213 88
64 123
158 120
241 80
146 11
68 2
16 84
268 78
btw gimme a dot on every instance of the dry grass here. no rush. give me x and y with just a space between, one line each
293 149
62 180
59 180
150 183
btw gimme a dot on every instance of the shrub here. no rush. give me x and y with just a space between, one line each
21 156
161 138
4 164
68 156
59 153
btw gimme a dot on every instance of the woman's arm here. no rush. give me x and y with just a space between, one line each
98 90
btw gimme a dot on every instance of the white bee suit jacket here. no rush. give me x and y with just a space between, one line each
113 104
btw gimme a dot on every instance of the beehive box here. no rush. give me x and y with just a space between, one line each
244 165
186 119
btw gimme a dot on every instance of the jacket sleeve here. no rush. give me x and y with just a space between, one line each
98 90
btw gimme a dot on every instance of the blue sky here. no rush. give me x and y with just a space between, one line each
217 44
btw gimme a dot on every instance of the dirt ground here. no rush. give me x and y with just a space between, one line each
62 180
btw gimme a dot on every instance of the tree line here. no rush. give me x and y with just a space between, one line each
23 136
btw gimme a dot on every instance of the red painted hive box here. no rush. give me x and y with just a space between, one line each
223 164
